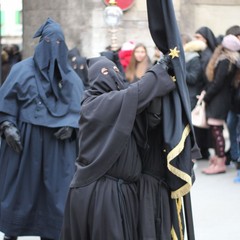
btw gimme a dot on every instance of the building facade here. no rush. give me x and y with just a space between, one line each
84 26
11 21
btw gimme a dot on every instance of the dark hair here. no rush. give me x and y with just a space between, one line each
234 30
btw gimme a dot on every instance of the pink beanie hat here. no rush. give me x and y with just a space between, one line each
231 42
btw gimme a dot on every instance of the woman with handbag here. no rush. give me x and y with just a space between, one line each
220 72
206 35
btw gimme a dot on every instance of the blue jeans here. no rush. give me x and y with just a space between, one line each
232 123
238 135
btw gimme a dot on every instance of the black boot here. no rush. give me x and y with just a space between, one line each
9 238
205 153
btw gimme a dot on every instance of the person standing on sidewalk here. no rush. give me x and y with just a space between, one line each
206 35
232 118
220 72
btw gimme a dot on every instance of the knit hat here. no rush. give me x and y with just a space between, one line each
231 42
128 46
125 53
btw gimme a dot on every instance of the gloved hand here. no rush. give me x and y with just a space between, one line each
166 63
154 112
64 133
12 136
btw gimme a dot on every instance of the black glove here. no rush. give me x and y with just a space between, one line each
12 136
154 112
166 63
64 133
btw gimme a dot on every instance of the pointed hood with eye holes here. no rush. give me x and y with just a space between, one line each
50 59
51 47
107 117
103 81
79 64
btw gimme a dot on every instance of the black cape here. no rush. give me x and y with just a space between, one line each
114 114
25 89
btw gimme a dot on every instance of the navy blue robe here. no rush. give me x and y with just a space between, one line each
34 183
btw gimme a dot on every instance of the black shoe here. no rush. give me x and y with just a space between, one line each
229 158
9 238
205 154
238 164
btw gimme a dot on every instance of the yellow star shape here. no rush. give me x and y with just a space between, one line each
174 78
174 53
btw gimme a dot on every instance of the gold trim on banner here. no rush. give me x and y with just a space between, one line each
173 234
171 155
179 209
178 203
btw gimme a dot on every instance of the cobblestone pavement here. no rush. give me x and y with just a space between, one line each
215 205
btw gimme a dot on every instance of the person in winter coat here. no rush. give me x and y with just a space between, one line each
220 72
193 69
232 118
206 35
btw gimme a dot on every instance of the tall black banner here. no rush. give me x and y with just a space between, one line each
178 131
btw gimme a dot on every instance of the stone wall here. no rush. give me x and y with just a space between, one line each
75 17
84 26
216 14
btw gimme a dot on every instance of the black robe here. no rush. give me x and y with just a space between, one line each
103 199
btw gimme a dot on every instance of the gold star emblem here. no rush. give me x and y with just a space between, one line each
174 78
174 53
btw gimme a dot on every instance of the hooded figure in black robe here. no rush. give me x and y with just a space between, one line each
39 114
167 168
79 64
103 200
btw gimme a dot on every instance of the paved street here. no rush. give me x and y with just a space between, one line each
215 204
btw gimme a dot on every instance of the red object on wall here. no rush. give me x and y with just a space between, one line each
123 4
